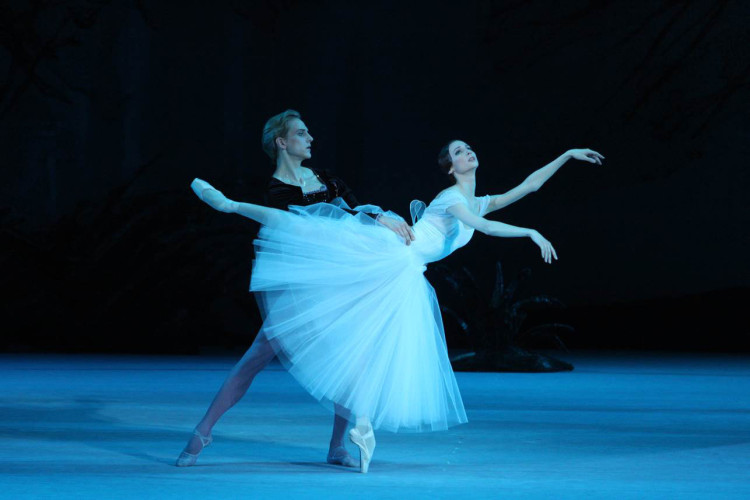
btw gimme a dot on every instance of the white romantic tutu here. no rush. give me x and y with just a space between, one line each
350 313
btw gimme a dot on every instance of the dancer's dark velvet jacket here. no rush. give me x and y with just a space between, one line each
280 195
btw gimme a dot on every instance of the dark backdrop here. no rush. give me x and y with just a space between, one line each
108 109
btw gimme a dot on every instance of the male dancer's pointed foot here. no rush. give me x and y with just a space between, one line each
364 438
339 456
195 445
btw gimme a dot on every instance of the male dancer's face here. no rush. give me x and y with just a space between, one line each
298 141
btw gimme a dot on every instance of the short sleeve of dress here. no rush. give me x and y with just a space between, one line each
447 199
484 205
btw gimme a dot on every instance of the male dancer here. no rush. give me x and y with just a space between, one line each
287 141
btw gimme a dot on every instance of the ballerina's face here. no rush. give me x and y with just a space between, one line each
463 158
298 141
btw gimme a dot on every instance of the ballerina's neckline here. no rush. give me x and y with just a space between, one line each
474 206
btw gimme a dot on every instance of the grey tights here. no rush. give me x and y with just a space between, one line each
238 382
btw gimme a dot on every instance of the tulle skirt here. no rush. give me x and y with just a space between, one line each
347 307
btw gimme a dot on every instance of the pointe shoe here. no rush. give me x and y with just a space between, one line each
339 456
366 444
200 186
187 459
212 196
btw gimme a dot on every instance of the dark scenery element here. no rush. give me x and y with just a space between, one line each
108 109
495 327
120 276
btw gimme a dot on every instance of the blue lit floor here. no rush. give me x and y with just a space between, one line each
620 426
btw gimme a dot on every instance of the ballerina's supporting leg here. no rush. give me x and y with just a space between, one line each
363 436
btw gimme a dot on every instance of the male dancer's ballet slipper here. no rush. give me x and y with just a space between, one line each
187 459
339 456
366 444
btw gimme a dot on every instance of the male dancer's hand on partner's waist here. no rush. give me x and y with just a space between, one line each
399 227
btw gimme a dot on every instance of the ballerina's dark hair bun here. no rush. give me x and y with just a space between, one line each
444 158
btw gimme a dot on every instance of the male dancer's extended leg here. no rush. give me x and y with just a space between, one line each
235 387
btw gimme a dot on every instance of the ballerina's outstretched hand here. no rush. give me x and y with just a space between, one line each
548 251
588 155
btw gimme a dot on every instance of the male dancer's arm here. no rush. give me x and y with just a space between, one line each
397 226
280 196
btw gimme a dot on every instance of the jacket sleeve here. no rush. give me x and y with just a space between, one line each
343 191
280 196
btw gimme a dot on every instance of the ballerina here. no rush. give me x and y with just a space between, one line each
288 143
348 309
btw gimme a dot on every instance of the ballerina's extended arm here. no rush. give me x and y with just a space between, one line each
267 216
534 181
502 230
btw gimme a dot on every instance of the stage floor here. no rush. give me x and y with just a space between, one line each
622 425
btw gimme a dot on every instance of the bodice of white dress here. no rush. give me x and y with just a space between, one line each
438 233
